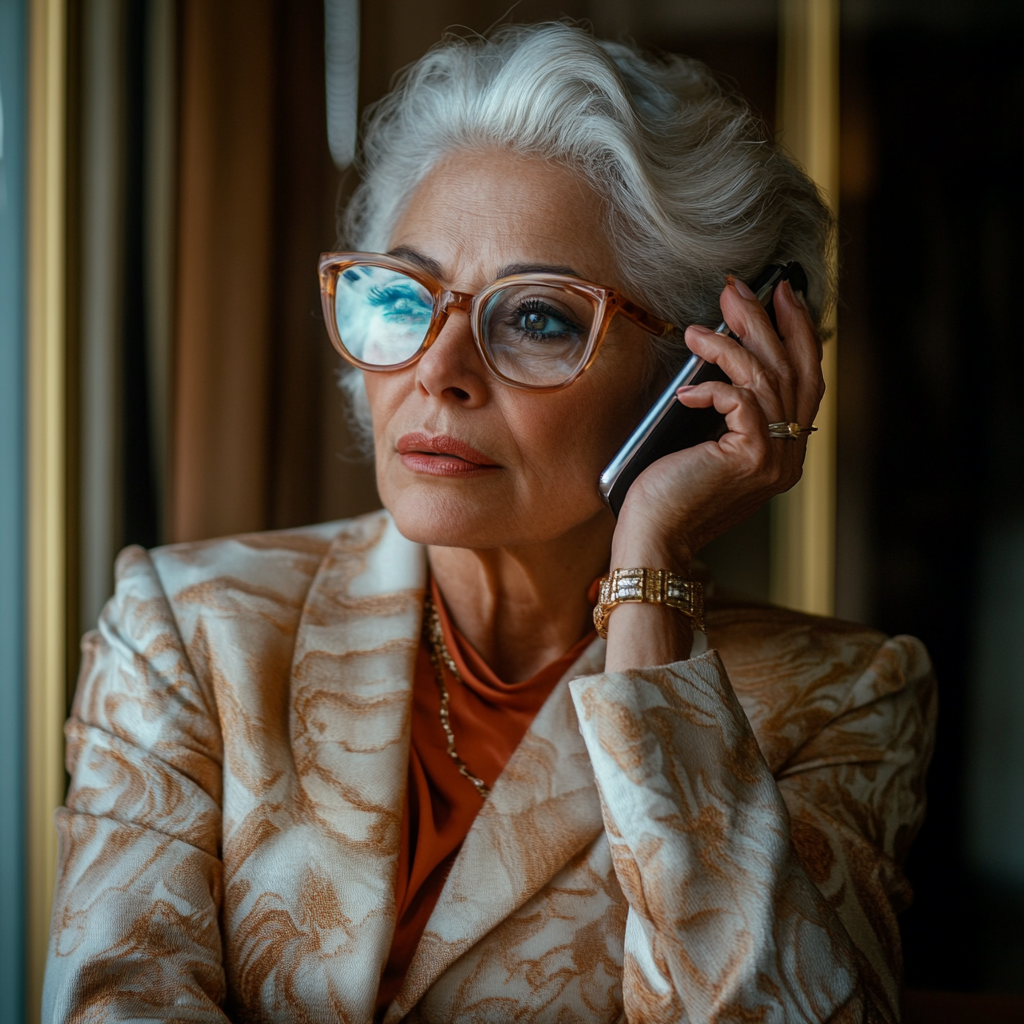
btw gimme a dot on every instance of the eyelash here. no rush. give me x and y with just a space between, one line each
539 306
382 294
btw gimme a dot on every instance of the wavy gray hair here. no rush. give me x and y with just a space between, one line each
693 185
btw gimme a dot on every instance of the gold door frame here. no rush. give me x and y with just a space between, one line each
804 519
47 472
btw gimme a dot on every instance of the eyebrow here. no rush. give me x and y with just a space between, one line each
511 269
404 252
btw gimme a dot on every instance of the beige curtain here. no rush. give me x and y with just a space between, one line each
258 435
224 301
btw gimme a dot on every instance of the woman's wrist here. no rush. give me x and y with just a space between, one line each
632 549
645 634
642 635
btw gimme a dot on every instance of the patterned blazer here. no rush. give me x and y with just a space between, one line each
713 840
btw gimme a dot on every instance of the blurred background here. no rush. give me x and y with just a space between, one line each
170 171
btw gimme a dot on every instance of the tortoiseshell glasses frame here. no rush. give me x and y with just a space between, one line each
605 302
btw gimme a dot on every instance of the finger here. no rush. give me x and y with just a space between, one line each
745 370
802 343
748 318
748 431
792 316
740 407
745 316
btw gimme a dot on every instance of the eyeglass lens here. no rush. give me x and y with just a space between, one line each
382 315
534 334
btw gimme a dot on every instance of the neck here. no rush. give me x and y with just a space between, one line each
522 607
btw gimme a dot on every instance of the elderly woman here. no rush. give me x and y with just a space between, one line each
383 769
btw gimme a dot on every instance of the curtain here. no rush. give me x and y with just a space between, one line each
259 437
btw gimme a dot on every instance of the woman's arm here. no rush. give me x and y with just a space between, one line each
135 932
752 898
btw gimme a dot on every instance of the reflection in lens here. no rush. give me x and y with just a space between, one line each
382 315
537 334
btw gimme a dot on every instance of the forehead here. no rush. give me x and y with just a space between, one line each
478 211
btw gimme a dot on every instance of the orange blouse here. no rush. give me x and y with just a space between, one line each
489 719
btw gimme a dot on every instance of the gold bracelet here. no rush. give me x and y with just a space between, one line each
651 586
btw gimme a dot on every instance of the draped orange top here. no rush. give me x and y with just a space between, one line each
489 718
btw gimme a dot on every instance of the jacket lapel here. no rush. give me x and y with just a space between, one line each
543 810
352 676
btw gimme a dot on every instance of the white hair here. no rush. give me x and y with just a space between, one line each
693 186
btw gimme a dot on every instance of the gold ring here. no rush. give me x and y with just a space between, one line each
788 431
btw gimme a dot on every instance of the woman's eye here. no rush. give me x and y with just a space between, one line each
400 303
538 323
545 323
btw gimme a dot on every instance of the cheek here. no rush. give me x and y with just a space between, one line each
617 398
377 396
574 437
385 393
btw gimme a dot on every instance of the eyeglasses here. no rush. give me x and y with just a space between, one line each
532 331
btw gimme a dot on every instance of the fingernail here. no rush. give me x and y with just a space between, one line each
685 388
741 287
797 297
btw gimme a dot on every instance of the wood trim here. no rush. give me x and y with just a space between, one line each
46 521
807 118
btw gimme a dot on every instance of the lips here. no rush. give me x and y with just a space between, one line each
442 455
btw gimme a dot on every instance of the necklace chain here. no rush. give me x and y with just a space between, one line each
440 659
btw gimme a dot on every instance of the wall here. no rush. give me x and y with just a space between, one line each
933 441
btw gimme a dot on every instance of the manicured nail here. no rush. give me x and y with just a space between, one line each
742 288
686 387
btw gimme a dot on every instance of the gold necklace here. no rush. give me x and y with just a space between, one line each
440 659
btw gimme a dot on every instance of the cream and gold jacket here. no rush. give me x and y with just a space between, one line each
713 840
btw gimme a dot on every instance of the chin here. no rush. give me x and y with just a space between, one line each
439 514
450 520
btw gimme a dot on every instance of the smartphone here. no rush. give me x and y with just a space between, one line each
670 426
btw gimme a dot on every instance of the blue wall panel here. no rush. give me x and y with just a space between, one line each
13 51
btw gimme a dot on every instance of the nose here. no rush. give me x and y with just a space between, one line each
451 369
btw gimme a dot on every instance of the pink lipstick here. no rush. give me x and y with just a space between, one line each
442 456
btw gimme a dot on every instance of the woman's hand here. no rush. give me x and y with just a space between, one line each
688 498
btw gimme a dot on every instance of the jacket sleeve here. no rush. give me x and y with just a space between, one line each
753 896
135 932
